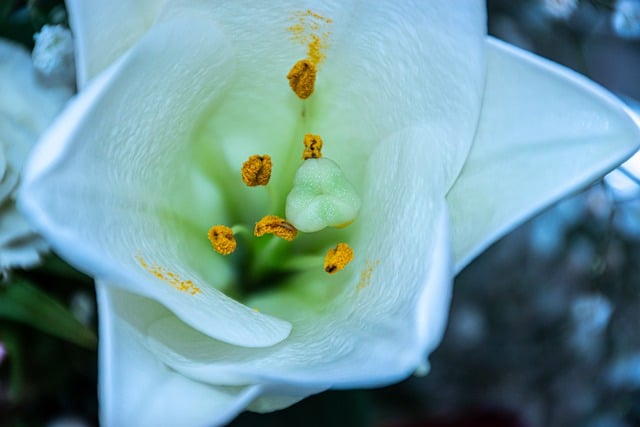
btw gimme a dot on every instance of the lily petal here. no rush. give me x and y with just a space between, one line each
544 131
23 253
103 31
397 295
27 106
421 57
138 390
115 162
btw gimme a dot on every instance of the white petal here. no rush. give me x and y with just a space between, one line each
23 253
138 390
8 184
103 31
544 131
12 225
397 293
26 106
114 184
396 65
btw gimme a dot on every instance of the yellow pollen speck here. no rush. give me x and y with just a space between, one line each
310 30
302 78
312 147
337 258
365 276
315 47
277 226
171 278
256 170
222 240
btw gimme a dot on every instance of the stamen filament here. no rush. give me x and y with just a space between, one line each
241 229
267 256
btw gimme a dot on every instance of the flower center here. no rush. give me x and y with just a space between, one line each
320 196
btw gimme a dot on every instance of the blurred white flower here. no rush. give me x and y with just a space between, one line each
82 307
590 314
626 18
560 9
627 219
53 55
624 371
27 106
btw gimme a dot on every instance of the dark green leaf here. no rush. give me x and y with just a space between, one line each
22 302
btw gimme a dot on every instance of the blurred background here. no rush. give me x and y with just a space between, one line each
544 327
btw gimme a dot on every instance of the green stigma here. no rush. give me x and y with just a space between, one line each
321 197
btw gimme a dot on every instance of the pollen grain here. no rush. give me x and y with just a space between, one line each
169 277
365 275
311 30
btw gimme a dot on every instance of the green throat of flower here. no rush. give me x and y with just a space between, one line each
320 197
299 228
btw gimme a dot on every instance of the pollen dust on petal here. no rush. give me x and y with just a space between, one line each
169 277
365 276
310 30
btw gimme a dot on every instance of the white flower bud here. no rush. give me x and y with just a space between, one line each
53 55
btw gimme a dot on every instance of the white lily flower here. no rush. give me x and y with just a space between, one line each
27 107
430 122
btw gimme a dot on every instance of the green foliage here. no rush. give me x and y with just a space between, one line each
23 302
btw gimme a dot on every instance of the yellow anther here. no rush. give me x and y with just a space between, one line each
302 78
277 226
312 147
337 258
256 170
222 240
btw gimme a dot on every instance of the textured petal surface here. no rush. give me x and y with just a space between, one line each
113 188
27 106
418 63
103 31
134 154
397 294
125 185
544 131
138 390
388 66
